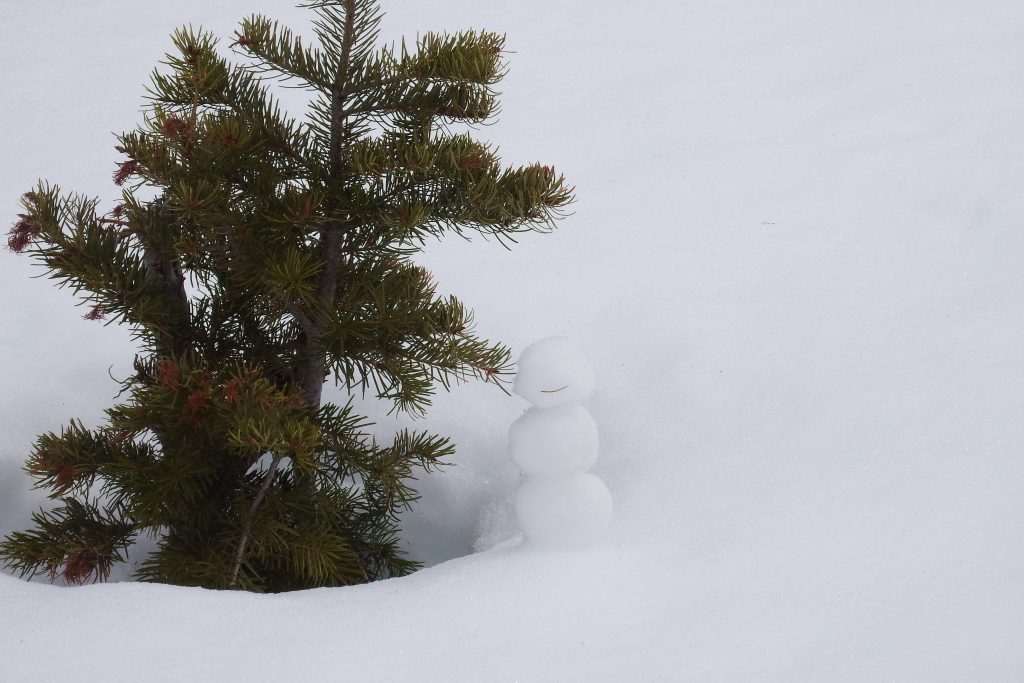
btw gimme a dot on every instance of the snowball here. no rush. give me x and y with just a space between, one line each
554 441
553 371
563 512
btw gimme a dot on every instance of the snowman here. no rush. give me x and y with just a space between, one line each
554 443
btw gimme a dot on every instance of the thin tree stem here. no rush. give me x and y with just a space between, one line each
247 526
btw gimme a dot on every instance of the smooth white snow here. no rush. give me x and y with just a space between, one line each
554 441
552 372
795 262
565 511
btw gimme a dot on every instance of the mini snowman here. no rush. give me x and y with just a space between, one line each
554 443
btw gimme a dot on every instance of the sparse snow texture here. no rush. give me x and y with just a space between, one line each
796 264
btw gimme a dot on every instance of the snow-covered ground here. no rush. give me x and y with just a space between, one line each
796 263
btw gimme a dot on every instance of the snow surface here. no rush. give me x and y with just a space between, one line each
796 265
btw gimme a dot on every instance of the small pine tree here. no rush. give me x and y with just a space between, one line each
254 256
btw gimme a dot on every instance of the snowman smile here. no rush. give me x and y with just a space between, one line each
553 391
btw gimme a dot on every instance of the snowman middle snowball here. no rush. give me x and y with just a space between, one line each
554 441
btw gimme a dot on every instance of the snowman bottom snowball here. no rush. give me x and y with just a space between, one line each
563 512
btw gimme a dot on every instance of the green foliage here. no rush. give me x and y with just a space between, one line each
254 255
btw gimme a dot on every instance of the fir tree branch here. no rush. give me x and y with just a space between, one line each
281 53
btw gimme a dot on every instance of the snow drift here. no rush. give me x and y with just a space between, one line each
795 264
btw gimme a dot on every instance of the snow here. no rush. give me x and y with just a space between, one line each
563 512
552 372
795 264
559 504
554 441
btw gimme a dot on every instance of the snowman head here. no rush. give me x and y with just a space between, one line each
553 371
